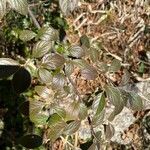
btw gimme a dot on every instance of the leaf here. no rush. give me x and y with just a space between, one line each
54 119
72 127
44 75
68 6
109 131
80 63
59 81
26 35
102 67
39 119
48 34
98 119
21 80
30 141
135 101
69 68
53 61
8 62
99 103
125 78
84 41
115 97
89 73
93 147
44 92
41 48
115 66
56 130
94 54
76 51
82 111
2 8
20 6
60 111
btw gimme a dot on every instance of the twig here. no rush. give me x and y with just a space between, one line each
33 18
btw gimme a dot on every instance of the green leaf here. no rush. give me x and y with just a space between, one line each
76 51
44 92
83 111
44 75
69 68
30 141
115 97
135 101
41 48
2 8
99 103
72 127
54 119
54 131
53 61
80 63
98 119
89 73
94 54
84 41
102 67
60 111
26 35
115 66
59 81
39 119
48 34
20 6
67 6
21 80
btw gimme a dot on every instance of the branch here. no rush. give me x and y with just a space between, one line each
33 19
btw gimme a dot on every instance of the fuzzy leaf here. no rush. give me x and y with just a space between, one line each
48 34
20 6
59 81
41 48
53 61
26 35
67 6
89 73
44 76
72 127
76 51
115 66
69 68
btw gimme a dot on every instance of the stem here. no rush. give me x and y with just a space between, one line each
33 18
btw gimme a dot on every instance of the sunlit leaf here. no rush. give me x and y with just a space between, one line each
41 48
67 6
99 103
30 141
20 6
76 51
44 92
44 76
21 80
115 97
59 81
69 68
115 65
26 35
89 73
60 111
72 127
53 61
39 119
8 61
54 119
109 131
136 102
48 34
2 8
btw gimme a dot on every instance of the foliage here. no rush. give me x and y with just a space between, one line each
43 78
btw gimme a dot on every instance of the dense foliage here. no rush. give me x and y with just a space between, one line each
40 101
